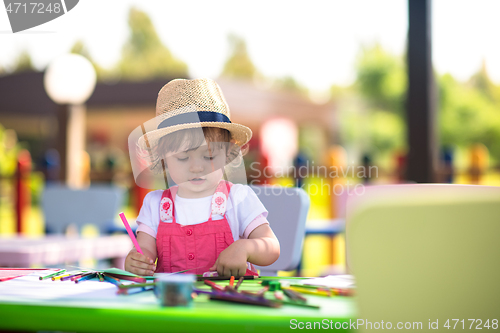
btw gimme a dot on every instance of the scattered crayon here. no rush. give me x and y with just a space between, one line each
231 281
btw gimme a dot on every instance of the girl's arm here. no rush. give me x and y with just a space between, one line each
261 248
142 264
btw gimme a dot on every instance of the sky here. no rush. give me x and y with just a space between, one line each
316 42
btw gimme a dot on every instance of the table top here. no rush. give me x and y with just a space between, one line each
21 251
104 311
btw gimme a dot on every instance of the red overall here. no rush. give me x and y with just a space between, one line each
197 247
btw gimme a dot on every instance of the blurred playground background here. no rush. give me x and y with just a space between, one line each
349 126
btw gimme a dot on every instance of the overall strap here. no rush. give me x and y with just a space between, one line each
167 211
219 199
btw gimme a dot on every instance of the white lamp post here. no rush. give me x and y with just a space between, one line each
69 81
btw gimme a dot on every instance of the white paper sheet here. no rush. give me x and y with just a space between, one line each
332 281
31 287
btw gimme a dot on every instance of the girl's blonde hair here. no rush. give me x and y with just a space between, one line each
188 139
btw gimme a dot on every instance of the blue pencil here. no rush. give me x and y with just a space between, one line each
110 279
86 277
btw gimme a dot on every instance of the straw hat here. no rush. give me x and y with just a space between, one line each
184 104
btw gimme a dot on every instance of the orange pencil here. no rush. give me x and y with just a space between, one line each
231 281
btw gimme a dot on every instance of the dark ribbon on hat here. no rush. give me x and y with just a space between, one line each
187 118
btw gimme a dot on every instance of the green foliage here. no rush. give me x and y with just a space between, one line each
239 65
468 115
288 83
23 63
387 131
381 79
80 48
372 110
144 56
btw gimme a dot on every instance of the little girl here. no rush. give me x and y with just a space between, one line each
204 223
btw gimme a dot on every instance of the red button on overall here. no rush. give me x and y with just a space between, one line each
189 232
190 256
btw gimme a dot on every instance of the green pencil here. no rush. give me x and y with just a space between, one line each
52 274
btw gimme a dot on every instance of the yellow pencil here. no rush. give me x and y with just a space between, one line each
59 276
310 291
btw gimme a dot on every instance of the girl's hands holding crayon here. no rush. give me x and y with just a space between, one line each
139 263
232 261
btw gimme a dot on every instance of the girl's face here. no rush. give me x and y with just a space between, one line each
197 171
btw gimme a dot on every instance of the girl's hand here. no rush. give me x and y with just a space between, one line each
232 261
139 264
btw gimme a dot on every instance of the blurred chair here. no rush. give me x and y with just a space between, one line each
287 207
422 253
96 205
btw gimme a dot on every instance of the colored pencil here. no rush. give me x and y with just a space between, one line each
69 277
238 298
59 277
262 291
213 285
59 272
317 292
80 276
100 277
137 279
240 281
130 233
86 277
219 278
136 285
131 291
231 281
294 295
111 279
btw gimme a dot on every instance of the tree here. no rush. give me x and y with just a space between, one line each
23 63
80 48
239 65
288 83
468 115
381 79
144 56
482 82
372 109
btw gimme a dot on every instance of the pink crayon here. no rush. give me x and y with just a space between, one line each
130 233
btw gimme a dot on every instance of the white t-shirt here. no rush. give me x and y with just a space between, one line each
243 211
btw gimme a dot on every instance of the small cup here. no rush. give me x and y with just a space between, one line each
175 290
